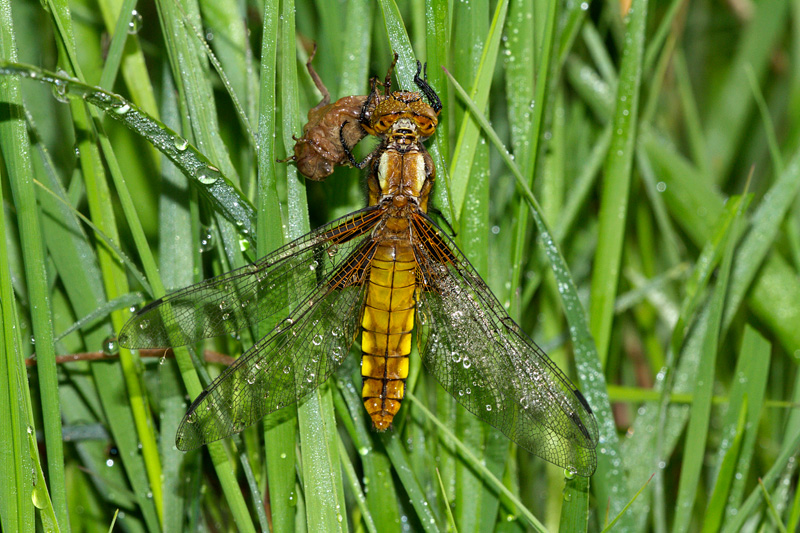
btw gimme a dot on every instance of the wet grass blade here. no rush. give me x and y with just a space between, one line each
16 153
617 183
697 432
208 178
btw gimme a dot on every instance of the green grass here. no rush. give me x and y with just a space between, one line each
623 235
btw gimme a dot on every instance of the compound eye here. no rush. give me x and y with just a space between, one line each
427 127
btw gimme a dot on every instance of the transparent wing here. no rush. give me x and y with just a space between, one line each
484 359
288 364
263 292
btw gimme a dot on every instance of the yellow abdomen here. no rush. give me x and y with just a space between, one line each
386 331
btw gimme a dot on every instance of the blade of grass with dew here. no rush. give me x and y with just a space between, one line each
15 482
658 427
789 448
617 183
355 487
715 510
750 385
594 91
191 73
226 33
469 131
765 226
380 488
600 56
697 432
16 149
589 370
177 268
77 267
773 296
210 181
653 187
451 520
531 130
398 457
729 108
437 15
324 492
123 22
280 433
575 510
40 496
475 463
706 262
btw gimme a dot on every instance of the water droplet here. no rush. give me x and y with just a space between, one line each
286 369
180 143
60 88
317 340
569 473
122 109
488 407
244 244
135 24
110 346
144 324
207 175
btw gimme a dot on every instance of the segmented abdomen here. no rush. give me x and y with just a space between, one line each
386 331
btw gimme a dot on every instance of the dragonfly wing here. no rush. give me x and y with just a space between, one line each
286 365
484 359
261 293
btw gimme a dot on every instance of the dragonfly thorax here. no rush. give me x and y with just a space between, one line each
402 176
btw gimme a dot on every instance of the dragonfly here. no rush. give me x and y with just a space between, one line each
385 273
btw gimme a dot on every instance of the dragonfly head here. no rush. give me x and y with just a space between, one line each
417 116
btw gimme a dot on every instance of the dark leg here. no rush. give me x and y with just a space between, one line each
426 89
347 151
363 117
436 211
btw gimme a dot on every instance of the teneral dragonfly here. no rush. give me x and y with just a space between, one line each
380 272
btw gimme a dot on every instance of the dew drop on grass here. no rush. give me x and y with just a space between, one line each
135 24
